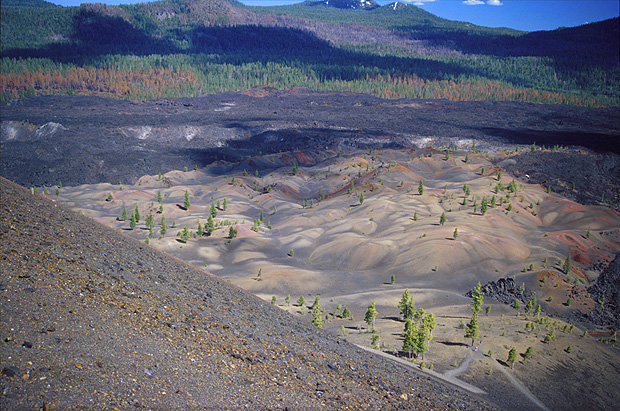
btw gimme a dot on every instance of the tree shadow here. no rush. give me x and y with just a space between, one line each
453 343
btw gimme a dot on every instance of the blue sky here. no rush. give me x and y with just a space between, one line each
527 15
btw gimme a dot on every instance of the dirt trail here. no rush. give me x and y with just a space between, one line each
443 377
476 355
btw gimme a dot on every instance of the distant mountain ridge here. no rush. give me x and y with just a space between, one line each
352 4
352 45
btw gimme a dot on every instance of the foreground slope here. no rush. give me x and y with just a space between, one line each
92 319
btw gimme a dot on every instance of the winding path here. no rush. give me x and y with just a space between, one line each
450 376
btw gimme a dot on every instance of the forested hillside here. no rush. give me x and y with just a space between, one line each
192 47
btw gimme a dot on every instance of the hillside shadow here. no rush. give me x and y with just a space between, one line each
95 34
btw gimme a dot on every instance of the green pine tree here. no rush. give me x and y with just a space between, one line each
371 314
123 216
406 305
186 202
421 188
164 228
512 357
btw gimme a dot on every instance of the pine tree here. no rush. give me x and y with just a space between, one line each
159 196
186 202
224 204
477 299
148 222
199 231
430 323
287 300
317 314
301 301
528 353
213 211
132 221
164 228
406 305
421 188
361 198
471 328
137 215
456 233
209 226
537 311
295 168
421 340
346 313
442 219
415 216
512 357
409 343
484 206
567 265
123 216
371 314
232 232
184 234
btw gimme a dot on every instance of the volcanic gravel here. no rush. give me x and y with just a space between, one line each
92 319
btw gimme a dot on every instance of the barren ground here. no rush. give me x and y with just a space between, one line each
346 252
317 238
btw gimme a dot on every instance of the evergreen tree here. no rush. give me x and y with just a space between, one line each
295 168
123 216
149 221
421 340
317 314
415 216
186 202
406 305
528 353
301 301
224 204
109 198
409 338
456 233
184 234
199 231
361 198
371 314
159 196
421 188
164 228
471 328
477 299
346 313
567 265
132 221
484 206
430 323
442 219
537 311
213 211
209 226
232 232
287 300
512 357
137 215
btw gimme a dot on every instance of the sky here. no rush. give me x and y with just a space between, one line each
528 15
